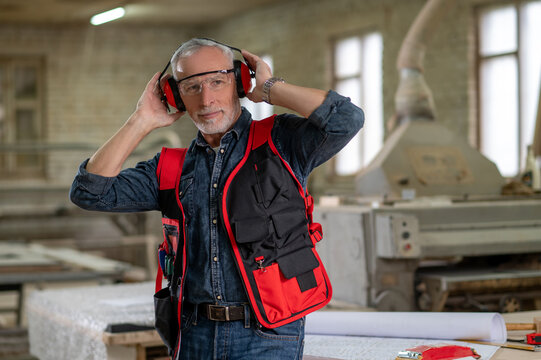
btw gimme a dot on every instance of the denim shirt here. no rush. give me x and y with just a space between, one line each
212 275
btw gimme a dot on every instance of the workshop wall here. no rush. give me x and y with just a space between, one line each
94 75
93 78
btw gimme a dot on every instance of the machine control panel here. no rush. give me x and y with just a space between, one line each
397 236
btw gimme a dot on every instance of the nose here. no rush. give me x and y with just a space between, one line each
207 95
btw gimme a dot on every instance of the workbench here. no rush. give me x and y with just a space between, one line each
66 323
511 354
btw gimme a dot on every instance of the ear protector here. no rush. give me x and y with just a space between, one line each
243 80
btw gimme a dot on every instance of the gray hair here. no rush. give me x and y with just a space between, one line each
191 46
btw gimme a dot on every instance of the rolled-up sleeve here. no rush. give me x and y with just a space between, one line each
338 115
134 189
329 128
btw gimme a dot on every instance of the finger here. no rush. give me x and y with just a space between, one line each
164 79
246 53
253 97
250 58
153 80
152 85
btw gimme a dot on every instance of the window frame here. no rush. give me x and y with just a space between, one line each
480 59
334 80
10 168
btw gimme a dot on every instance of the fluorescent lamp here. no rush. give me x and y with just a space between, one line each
107 16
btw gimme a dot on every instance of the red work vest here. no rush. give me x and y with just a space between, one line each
268 218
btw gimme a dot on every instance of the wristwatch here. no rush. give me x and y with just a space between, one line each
267 86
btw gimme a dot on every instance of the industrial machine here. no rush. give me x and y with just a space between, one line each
434 253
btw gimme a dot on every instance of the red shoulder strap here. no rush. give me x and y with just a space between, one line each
262 131
170 167
168 173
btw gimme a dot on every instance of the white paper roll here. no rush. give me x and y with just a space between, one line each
417 325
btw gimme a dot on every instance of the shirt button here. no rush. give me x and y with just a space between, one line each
215 259
214 221
219 297
215 185
222 151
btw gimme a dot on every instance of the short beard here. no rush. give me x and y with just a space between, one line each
213 127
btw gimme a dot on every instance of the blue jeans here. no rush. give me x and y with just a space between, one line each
235 340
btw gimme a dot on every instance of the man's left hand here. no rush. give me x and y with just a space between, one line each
262 73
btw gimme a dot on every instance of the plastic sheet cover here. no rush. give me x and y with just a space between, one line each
69 323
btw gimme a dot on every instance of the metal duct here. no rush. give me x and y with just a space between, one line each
422 157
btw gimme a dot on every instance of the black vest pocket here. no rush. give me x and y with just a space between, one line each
270 191
289 226
251 230
270 180
298 263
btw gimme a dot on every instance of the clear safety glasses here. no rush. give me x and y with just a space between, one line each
215 80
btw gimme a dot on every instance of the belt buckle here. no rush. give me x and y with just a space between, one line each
218 310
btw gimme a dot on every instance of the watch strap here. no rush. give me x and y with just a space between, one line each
267 86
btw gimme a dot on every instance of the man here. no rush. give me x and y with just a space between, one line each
207 88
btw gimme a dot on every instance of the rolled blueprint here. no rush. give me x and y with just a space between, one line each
416 325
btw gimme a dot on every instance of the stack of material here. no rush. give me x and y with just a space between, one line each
70 323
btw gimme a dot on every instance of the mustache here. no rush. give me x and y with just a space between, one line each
209 110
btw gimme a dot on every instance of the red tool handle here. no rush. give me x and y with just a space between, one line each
533 339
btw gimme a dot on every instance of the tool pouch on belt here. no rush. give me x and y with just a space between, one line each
268 219
165 309
172 251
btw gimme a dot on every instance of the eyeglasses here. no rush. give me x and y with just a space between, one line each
191 85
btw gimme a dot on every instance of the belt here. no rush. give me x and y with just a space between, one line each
221 313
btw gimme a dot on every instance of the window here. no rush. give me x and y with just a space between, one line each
357 74
509 77
21 114
260 110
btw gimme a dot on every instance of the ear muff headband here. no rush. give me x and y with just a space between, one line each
243 81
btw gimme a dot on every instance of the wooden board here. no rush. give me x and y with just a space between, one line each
22 258
16 258
131 338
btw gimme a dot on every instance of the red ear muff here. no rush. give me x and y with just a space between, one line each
246 77
243 78
170 90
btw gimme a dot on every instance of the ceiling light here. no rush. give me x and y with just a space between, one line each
107 16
